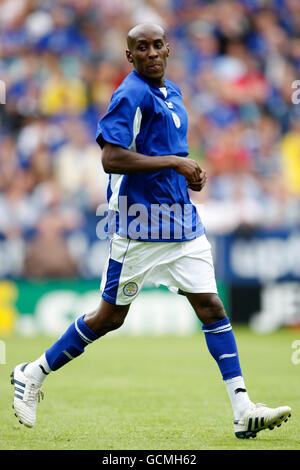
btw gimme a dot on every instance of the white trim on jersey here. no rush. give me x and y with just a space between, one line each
116 180
164 91
136 127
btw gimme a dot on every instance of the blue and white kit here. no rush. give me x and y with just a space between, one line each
152 121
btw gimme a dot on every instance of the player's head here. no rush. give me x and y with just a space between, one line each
148 51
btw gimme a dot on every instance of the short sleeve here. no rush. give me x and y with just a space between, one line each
116 126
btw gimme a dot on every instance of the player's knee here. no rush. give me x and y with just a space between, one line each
104 325
115 322
106 318
208 307
213 310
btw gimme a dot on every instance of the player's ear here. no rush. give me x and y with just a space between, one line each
168 49
129 56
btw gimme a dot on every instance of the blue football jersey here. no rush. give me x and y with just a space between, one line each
150 206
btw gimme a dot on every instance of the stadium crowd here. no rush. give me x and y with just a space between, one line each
235 62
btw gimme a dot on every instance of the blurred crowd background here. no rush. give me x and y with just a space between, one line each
235 62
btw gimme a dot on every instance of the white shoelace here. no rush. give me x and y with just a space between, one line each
35 394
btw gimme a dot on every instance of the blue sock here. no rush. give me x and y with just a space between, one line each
70 345
222 346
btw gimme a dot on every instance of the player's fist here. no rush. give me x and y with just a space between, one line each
194 175
187 167
200 183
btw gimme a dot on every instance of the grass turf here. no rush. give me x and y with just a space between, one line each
162 393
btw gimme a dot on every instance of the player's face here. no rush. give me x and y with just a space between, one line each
149 53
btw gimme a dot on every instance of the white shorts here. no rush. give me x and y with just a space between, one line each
185 266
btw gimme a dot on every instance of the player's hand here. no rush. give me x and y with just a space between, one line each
187 167
194 175
200 183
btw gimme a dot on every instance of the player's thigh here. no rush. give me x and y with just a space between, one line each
194 270
125 271
195 277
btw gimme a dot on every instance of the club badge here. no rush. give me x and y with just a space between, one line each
130 289
176 120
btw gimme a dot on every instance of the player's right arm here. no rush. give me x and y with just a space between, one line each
115 134
116 159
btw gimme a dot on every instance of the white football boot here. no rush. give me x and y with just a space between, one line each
27 396
259 417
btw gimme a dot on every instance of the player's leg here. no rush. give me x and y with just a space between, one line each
249 418
193 272
194 275
82 332
120 285
28 378
221 344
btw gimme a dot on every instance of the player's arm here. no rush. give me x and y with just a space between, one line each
116 159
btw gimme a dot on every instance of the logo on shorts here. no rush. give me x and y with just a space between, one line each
130 289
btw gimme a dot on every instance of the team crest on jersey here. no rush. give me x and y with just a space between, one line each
176 120
130 289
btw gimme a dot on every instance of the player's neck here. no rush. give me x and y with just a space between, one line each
159 82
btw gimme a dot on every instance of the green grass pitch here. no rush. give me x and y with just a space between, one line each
162 393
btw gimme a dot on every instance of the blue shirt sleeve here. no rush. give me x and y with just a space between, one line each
116 126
